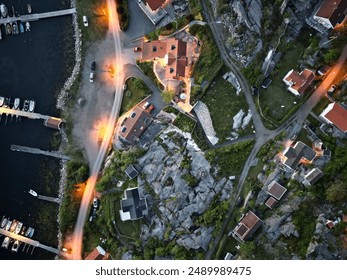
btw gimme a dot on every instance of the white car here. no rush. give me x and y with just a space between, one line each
91 77
85 21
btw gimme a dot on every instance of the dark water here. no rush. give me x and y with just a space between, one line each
32 65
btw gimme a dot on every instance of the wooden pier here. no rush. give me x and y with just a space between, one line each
35 17
49 198
29 241
36 151
48 120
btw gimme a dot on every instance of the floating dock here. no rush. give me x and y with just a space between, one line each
24 149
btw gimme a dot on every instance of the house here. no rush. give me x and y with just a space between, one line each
247 226
133 126
153 9
271 202
292 156
132 206
98 254
131 172
298 82
335 114
331 13
228 256
276 190
173 52
154 4
312 177
52 122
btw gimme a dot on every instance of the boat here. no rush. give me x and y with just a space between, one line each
27 26
6 242
14 225
15 246
3 222
15 30
26 105
16 103
31 233
7 102
33 193
3 10
18 228
8 225
28 231
23 230
2 99
8 29
29 8
0 34
21 27
31 105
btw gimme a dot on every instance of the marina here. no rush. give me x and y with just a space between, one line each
46 198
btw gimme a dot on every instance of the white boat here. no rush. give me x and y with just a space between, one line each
29 8
18 227
33 193
16 103
8 225
31 105
26 105
2 99
6 242
3 222
14 225
15 246
3 10
27 26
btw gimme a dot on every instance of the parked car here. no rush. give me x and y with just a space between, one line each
332 89
137 49
150 108
95 203
146 105
93 66
85 21
91 77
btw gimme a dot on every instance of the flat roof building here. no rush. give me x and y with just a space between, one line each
247 226
276 190
132 206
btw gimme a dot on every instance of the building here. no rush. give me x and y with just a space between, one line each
133 126
271 202
131 172
173 51
154 5
336 115
298 82
300 153
153 9
52 122
98 254
247 226
312 177
276 190
132 206
331 13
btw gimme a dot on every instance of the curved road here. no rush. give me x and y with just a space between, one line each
114 30
263 134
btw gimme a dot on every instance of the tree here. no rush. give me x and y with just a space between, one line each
337 192
167 95
331 56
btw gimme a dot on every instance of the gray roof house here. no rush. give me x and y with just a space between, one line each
300 152
131 172
313 176
132 206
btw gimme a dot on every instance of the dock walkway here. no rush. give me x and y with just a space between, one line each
36 151
35 17
29 241
49 199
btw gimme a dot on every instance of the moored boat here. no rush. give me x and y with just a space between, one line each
33 193
7 102
31 233
21 27
14 225
26 105
8 225
15 30
31 105
6 242
27 232
0 34
3 222
3 10
18 227
2 99
27 26
16 103
29 8
8 29
15 246
23 230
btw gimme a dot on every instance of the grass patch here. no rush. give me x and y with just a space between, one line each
135 92
147 69
277 95
322 104
184 123
223 104
313 121
230 159
199 137
130 229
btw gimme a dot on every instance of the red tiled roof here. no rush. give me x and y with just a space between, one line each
155 4
153 49
97 254
332 10
300 81
338 116
276 190
248 225
270 202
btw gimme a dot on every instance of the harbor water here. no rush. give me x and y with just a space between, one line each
33 65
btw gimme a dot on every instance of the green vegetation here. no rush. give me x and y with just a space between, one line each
223 104
190 179
231 158
123 14
209 62
199 137
147 69
322 104
167 95
136 91
184 123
